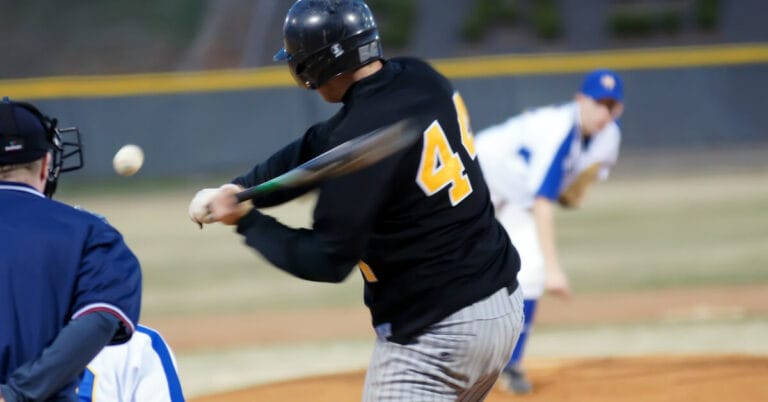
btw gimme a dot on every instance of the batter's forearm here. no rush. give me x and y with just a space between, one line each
296 251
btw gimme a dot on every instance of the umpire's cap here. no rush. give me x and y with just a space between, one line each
24 136
603 84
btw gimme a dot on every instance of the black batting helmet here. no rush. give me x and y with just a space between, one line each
324 38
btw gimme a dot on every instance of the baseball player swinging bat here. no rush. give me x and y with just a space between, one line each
345 158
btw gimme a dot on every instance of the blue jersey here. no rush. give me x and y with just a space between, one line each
540 152
58 263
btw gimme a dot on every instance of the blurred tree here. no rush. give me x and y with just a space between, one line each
93 37
642 20
264 33
78 37
546 19
707 14
395 19
669 21
486 14
220 40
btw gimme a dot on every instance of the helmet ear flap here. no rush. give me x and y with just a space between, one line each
338 58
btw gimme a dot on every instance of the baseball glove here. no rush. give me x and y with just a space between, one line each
573 196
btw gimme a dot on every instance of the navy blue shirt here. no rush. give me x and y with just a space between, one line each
58 263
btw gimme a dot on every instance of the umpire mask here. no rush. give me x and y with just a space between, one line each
26 135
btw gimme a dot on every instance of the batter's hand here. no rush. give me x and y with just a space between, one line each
198 207
224 207
557 284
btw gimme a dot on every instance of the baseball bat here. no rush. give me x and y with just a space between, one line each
345 158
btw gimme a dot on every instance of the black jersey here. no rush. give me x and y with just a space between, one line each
420 224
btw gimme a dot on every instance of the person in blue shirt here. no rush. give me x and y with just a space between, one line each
69 285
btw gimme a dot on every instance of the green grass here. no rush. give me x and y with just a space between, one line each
187 270
669 233
632 233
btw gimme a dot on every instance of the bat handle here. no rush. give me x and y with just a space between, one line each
245 195
260 190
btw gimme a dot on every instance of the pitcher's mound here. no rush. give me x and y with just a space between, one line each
646 379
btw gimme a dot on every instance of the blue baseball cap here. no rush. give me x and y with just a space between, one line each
23 137
603 84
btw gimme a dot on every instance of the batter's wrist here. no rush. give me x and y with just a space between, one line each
253 217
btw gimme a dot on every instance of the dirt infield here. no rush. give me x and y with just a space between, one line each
720 375
237 329
647 379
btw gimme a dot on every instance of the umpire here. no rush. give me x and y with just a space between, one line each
69 285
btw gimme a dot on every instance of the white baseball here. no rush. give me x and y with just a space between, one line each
128 160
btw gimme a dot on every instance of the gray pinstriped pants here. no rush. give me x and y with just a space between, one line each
456 359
